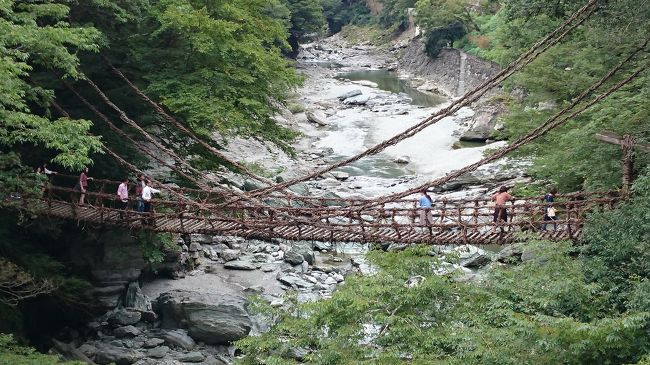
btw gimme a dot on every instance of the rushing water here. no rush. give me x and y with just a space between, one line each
389 81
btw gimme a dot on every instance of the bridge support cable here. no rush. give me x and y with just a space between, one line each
540 131
578 18
214 151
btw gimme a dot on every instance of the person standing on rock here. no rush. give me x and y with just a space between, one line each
500 213
549 209
147 194
123 195
426 218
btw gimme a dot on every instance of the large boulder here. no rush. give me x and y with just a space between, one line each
350 94
107 354
303 249
124 317
316 117
211 318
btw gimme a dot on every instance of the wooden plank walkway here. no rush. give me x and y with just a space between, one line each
477 230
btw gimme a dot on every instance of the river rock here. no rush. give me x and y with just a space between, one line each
475 258
350 94
201 238
153 342
211 318
402 160
178 338
194 356
195 247
126 331
294 281
135 298
322 246
294 258
124 317
158 352
394 247
242 264
230 254
511 253
357 100
107 354
305 250
340 175
316 117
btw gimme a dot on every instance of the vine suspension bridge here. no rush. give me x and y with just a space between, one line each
275 212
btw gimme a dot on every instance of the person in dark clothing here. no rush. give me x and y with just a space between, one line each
549 209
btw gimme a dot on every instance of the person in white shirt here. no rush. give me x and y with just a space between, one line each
147 194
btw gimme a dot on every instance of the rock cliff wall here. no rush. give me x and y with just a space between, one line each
452 73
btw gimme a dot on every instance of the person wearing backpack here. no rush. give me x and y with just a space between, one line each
549 210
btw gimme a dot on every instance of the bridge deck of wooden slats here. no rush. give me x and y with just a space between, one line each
455 222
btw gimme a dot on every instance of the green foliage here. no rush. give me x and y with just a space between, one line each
540 312
307 19
13 353
443 37
394 14
155 246
339 13
37 36
618 247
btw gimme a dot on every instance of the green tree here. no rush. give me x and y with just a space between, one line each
36 39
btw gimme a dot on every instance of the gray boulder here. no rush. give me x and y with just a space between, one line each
294 258
316 117
242 265
135 298
350 94
305 250
124 317
153 342
158 352
178 338
229 254
475 258
126 331
294 281
107 354
194 356
357 100
211 318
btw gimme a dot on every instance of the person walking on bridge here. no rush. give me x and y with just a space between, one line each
123 195
549 209
426 218
82 185
500 213
147 195
139 187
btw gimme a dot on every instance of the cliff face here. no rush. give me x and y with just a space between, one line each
452 73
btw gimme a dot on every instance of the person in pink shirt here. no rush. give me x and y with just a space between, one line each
82 185
500 213
123 194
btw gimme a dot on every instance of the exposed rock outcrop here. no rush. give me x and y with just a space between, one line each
210 318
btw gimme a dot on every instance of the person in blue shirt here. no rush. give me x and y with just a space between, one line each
549 210
426 217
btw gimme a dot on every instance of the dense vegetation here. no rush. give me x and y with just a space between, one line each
223 66
565 304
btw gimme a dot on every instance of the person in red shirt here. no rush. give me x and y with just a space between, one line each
500 213
82 185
